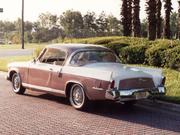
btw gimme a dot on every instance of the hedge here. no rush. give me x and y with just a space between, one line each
133 54
161 53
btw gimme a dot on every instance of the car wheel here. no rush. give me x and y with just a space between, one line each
16 83
78 98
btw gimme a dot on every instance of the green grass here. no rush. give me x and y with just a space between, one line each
172 85
6 60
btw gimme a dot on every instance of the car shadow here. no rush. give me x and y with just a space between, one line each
133 114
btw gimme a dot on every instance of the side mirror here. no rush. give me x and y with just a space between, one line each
34 60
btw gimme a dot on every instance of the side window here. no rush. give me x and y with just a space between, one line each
53 56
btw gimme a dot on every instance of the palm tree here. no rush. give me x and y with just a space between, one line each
135 19
151 17
168 8
126 17
159 18
179 20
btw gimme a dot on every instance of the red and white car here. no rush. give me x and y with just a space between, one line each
85 72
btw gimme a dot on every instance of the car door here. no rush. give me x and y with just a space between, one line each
40 71
56 81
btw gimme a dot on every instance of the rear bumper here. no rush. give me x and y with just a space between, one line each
134 94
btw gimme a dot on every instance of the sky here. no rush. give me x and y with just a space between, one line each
12 8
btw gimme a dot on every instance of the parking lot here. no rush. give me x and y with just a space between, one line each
39 113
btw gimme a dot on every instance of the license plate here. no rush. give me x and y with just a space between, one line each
141 95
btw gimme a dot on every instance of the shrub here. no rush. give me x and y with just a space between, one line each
133 54
155 54
116 46
172 58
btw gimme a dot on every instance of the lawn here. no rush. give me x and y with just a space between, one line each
5 60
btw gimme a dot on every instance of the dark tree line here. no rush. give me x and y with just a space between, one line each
156 25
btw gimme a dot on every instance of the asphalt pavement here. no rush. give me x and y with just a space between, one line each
15 52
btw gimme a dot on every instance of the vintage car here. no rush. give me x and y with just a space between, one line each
82 73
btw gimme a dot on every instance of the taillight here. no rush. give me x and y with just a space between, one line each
112 84
163 80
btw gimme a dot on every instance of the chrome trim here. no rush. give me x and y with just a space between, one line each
99 89
46 89
125 95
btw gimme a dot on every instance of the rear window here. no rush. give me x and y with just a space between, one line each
88 57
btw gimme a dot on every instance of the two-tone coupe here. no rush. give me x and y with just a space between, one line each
83 73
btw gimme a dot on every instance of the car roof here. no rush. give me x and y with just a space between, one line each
70 48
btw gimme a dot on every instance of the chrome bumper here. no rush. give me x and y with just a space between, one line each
134 94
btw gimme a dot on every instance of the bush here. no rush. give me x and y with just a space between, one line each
172 58
155 54
133 54
116 46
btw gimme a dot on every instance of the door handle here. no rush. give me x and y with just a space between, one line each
50 69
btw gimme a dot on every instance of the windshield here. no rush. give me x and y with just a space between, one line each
88 57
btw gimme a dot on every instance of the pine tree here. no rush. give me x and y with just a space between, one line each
151 17
135 19
159 18
168 9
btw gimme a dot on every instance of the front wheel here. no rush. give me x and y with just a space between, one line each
16 84
78 98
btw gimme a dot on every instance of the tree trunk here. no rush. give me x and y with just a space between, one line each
168 8
126 17
159 18
151 17
179 20
135 19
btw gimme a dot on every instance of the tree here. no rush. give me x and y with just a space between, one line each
101 23
48 20
168 9
179 20
144 26
126 17
89 23
72 23
174 25
113 26
159 18
135 19
151 17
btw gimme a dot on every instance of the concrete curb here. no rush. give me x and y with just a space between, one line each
158 104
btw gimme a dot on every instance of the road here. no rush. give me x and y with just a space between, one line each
39 113
15 52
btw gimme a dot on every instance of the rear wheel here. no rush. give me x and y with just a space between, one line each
16 84
78 98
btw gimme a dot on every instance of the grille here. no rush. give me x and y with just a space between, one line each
136 83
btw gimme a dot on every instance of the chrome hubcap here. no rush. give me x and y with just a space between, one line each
16 83
77 96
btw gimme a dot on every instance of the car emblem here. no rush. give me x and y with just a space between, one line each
142 80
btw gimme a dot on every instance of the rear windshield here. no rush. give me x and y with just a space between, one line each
88 57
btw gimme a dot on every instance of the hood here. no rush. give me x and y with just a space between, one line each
120 71
18 64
